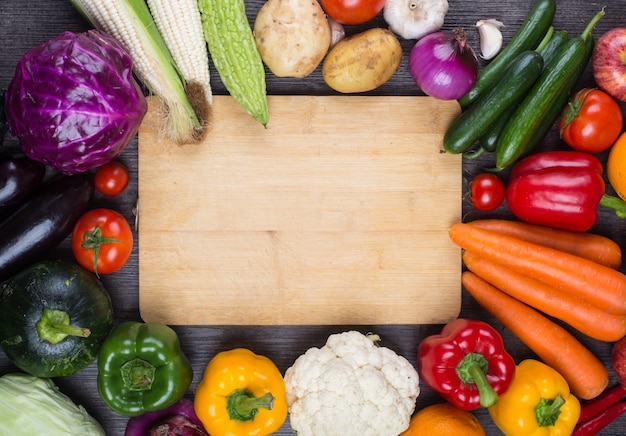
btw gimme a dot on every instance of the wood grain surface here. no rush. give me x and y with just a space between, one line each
26 24
341 198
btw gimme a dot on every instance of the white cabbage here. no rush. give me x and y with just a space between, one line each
35 406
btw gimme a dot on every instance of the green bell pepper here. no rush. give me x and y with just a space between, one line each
142 368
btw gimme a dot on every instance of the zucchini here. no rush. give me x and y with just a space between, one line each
235 54
489 140
43 221
54 317
527 37
545 101
517 79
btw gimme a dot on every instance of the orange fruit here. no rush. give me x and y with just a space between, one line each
616 166
444 420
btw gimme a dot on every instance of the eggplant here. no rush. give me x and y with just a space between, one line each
42 222
19 177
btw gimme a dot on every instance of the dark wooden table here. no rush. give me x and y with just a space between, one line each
26 24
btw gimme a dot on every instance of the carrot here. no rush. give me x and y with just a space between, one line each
585 374
582 316
597 248
590 281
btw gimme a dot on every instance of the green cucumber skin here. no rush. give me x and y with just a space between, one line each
489 140
528 36
553 46
541 107
517 79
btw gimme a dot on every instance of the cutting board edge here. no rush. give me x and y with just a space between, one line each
441 318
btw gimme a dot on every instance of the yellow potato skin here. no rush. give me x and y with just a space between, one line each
363 61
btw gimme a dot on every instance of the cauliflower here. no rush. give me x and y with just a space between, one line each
349 387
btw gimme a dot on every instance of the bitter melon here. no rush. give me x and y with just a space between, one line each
235 55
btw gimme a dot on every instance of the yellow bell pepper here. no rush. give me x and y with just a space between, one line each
241 394
538 402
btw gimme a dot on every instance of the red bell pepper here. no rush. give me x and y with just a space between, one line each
466 363
559 189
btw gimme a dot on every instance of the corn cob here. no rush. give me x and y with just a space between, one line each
130 22
180 26
235 54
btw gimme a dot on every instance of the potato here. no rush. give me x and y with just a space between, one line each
362 62
292 36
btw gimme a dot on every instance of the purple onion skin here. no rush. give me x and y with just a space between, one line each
443 65
179 419
73 102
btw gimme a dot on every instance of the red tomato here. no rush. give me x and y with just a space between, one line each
112 178
591 121
487 192
102 241
352 11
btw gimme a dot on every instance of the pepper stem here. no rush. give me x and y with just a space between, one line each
138 374
243 406
54 326
615 203
473 369
547 411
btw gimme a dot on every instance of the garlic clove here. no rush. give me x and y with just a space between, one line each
490 37
337 31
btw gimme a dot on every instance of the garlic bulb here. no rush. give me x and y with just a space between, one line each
490 37
412 19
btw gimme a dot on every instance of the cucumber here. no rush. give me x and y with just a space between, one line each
541 107
527 37
551 49
517 79
489 140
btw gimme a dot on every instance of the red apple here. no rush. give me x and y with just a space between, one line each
619 361
609 62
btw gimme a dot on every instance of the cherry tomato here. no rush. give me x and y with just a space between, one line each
591 121
112 178
102 241
487 192
352 11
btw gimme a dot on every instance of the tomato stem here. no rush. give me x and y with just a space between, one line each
93 240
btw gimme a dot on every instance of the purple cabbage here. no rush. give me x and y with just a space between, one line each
74 103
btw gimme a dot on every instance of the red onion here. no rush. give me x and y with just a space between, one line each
444 65
179 419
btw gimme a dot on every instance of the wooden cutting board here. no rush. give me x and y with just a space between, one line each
336 213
